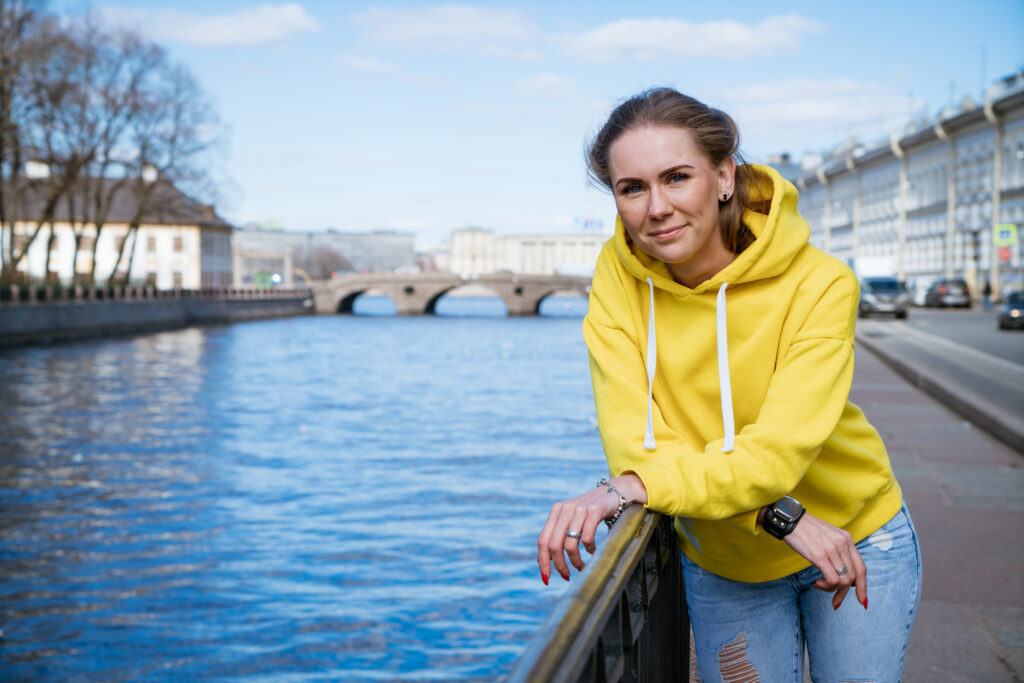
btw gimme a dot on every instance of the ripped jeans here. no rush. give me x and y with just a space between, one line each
756 631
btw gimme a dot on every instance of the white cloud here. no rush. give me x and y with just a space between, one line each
651 39
260 25
546 84
369 64
803 114
451 28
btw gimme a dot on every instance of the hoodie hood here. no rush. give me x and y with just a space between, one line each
780 234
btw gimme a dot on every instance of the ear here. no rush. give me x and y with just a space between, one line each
726 175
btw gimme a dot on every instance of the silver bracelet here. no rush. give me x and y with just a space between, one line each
622 501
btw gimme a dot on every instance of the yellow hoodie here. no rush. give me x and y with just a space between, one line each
728 396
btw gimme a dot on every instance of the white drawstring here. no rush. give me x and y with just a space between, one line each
724 386
652 364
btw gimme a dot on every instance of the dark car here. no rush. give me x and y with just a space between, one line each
948 292
883 295
1011 314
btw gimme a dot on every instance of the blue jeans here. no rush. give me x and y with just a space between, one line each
757 631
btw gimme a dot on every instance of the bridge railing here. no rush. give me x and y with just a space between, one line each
624 618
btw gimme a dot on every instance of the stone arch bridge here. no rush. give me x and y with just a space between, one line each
418 293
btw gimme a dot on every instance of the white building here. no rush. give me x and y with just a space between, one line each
179 242
257 249
925 203
475 251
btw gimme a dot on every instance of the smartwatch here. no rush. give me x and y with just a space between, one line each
780 517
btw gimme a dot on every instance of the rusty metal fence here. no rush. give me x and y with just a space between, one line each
624 619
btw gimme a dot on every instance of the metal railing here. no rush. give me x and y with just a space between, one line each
624 619
14 294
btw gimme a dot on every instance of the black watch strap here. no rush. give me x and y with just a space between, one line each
781 518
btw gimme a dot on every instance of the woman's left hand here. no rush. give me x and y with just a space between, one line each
831 549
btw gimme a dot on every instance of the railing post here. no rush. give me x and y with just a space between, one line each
625 617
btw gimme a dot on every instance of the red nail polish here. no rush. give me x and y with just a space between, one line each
865 603
835 607
544 578
565 576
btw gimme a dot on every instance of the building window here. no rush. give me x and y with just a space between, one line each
177 244
151 244
177 280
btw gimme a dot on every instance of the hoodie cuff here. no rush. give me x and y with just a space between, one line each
664 487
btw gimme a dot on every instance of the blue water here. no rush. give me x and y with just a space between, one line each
332 498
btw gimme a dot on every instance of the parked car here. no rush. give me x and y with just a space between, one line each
1011 313
917 287
948 292
883 295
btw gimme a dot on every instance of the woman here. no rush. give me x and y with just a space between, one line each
721 351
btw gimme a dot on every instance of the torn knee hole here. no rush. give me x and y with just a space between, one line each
733 664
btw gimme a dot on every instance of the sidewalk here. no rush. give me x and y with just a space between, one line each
965 491
985 389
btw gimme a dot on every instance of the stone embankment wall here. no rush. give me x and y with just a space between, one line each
39 315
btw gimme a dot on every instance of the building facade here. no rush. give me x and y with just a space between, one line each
927 203
318 254
476 251
179 243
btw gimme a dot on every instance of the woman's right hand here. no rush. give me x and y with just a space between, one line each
581 515
830 548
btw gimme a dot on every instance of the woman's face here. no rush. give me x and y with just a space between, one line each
666 192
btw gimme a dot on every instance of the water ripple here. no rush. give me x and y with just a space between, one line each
329 498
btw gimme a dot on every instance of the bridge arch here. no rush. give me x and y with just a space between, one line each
347 300
557 290
419 293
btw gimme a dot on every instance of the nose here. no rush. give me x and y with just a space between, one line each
659 206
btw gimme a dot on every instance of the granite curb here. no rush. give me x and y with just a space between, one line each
967 401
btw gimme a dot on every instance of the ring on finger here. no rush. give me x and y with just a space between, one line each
842 571
577 535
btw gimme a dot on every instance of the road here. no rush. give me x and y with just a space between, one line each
975 328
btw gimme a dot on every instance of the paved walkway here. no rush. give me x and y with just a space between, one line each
965 491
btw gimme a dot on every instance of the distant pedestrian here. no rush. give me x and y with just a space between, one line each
721 353
987 294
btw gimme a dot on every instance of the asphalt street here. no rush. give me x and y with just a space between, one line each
975 328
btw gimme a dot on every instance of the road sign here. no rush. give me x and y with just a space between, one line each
1004 254
1004 235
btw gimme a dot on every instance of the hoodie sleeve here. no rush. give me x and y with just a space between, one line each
805 400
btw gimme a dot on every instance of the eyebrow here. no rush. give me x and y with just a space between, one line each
664 173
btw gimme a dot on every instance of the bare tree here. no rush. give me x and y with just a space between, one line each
17 18
322 262
53 130
171 133
108 116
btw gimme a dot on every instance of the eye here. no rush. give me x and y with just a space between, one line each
631 188
677 177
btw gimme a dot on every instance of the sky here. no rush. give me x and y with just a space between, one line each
428 117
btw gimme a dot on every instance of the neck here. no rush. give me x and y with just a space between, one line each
691 277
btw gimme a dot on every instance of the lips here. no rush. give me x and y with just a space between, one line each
666 234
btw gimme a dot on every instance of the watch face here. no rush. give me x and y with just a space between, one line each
787 508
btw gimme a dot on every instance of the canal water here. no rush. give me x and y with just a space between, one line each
333 498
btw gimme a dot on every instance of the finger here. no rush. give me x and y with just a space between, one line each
556 543
543 554
593 521
572 545
838 598
862 578
823 585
